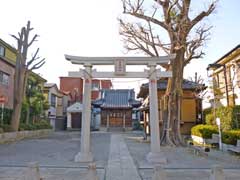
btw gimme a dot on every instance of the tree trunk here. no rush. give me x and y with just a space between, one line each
28 114
172 134
18 98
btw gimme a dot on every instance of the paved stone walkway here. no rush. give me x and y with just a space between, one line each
120 163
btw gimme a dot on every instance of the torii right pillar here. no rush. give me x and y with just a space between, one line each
155 155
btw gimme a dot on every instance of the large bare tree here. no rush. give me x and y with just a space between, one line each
22 69
185 38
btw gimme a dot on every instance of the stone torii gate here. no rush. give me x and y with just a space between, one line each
120 63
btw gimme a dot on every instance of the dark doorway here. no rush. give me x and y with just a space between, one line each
76 120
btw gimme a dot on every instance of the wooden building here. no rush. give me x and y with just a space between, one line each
116 108
191 105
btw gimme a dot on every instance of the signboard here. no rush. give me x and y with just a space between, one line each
2 99
218 121
120 67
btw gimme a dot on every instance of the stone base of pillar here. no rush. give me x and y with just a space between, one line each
83 157
156 158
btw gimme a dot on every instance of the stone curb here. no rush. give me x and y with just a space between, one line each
16 136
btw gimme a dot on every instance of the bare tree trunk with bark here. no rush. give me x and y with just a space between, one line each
22 69
185 39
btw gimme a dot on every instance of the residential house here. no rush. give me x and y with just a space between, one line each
7 71
225 73
57 102
191 105
116 108
74 87
8 56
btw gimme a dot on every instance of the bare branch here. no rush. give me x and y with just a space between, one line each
38 65
152 39
33 40
203 14
137 12
34 57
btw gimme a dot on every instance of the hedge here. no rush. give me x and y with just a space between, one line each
42 124
230 117
7 115
231 137
206 131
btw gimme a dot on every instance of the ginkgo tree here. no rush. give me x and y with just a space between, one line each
186 35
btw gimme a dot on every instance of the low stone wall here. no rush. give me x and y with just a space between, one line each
214 139
15 136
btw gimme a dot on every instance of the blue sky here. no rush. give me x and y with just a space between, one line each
225 35
90 28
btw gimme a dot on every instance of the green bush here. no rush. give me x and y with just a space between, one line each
236 117
7 115
204 131
42 124
209 119
27 127
206 112
231 137
6 127
1 130
229 116
226 115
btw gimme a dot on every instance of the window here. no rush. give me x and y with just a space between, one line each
4 78
2 51
95 86
53 100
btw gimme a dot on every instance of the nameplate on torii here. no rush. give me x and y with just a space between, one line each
120 67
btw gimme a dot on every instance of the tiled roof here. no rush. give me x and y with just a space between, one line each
120 98
186 85
49 85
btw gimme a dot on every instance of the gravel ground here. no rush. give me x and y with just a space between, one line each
55 155
58 149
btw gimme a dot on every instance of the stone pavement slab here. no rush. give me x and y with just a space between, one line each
17 173
120 163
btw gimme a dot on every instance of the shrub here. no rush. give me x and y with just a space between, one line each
236 117
27 127
231 137
230 117
6 127
43 124
226 115
204 131
206 112
1 130
209 119
7 115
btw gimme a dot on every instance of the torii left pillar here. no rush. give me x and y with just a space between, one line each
85 154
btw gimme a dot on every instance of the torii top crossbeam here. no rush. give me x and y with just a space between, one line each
110 60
